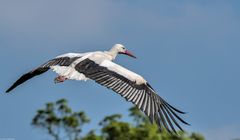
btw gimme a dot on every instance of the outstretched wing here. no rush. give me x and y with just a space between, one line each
61 61
134 89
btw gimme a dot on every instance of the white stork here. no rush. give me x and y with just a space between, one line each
99 67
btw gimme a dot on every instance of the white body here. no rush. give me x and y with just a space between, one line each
103 59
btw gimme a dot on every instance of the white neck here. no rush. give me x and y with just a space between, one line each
113 53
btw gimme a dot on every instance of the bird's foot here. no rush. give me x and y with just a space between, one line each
60 79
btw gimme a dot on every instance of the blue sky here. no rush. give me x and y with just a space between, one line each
187 50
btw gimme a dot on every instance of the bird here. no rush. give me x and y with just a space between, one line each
99 67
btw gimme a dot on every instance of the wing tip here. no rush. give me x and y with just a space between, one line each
8 90
11 88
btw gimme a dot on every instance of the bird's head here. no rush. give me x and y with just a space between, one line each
120 49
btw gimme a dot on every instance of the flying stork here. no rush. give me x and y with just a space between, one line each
99 66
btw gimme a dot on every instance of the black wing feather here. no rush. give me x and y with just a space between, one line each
143 96
26 77
62 61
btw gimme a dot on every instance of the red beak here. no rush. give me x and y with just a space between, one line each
129 54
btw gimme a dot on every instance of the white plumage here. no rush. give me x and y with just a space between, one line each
123 71
69 73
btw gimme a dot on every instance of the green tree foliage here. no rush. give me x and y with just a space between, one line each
142 129
60 122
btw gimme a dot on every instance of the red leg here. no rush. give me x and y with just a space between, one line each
60 79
